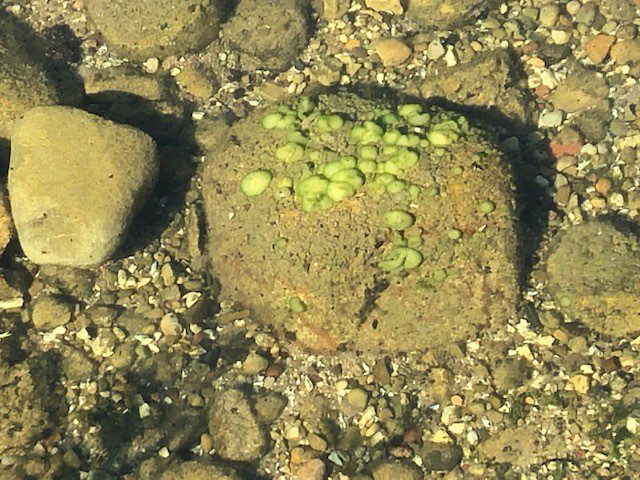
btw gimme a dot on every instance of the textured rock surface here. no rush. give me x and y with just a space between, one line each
155 28
6 222
273 32
237 434
487 82
75 183
446 14
267 252
594 275
24 82
198 471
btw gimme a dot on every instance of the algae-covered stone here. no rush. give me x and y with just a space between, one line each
75 183
273 32
446 14
397 470
155 28
594 276
24 82
315 254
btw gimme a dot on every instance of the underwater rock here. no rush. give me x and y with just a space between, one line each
24 82
273 32
352 222
153 28
75 183
594 273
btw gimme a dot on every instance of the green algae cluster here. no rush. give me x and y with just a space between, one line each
375 158
378 153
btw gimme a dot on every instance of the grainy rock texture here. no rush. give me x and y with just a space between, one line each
24 82
237 434
318 274
75 183
446 14
155 28
6 222
487 82
594 275
198 471
273 32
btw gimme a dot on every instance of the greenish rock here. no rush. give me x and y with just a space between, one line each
448 14
440 457
197 470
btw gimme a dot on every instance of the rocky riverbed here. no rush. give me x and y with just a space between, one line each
323 239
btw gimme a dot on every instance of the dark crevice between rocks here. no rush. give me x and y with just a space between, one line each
371 296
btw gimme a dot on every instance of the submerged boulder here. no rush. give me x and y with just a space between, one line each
75 183
155 28
356 222
24 82
594 275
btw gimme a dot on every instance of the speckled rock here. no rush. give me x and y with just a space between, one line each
154 28
594 276
272 32
448 14
75 183
24 82
195 470
237 433
397 470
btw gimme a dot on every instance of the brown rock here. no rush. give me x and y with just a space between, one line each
392 51
598 47
626 52
312 470
6 223
446 14
583 89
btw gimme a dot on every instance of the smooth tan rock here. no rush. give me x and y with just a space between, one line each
75 183
390 6
626 52
392 51
598 47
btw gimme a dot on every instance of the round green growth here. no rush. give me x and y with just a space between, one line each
329 123
398 219
414 190
367 134
415 241
409 110
565 302
454 234
312 187
487 207
395 186
439 275
457 170
290 152
405 159
432 191
278 120
296 305
401 258
296 136
367 166
409 140
352 176
255 183
444 133
368 152
390 137
338 191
